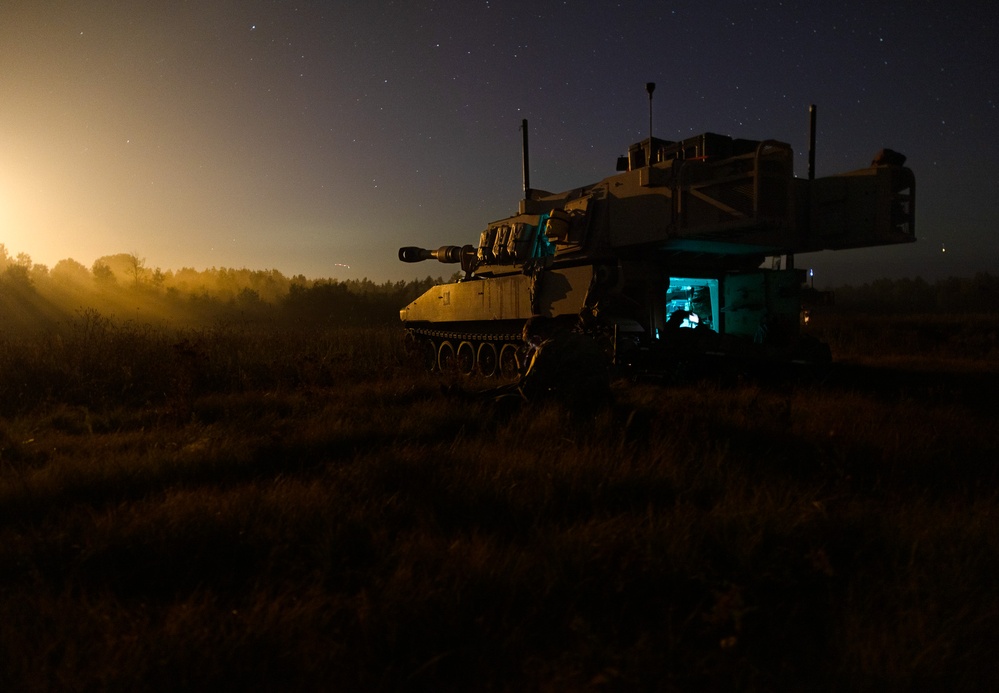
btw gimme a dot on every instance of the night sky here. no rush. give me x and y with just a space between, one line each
318 137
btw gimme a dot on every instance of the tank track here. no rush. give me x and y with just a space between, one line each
490 354
464 336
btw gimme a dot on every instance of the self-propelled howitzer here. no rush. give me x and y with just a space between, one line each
682 231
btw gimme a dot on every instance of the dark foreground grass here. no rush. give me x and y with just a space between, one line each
373 533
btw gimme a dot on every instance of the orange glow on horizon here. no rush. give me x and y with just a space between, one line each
21 229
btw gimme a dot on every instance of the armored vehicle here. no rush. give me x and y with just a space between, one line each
669 255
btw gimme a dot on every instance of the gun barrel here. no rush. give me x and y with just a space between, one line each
446 253
413 254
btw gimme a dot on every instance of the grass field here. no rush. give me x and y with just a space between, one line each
264 509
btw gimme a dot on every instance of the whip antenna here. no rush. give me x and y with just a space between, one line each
527 163
650 87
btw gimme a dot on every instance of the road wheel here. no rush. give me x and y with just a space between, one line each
509 361
487 358
445 357
465 358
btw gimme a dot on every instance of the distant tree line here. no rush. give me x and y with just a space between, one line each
977 294
125 286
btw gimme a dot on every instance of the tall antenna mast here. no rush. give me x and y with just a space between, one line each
811 142
526 162
650 87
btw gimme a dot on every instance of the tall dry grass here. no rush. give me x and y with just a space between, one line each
299 511
972 340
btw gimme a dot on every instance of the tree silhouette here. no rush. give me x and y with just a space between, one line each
103 274
136 268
